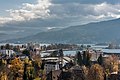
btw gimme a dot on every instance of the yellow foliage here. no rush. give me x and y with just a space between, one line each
96 72
4 61
37 79
16 64
37 60
111 63
26 60
3 76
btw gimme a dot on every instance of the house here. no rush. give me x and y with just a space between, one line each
60 75
113 76
109 52
54 75
53 63
78 72
7 52
51 66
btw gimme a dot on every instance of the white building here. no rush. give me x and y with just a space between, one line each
51 66
52 63
7 52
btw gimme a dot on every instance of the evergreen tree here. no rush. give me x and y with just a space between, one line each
61 53
88 61
100 60
84 58
79 59
26 52
25 72
54 54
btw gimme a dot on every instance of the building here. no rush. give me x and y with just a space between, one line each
51 66
7 52
78 72
108 52
54 75
52 63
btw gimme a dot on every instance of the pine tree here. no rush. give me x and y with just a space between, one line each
79 59
100 60
88 61
25 72
84 58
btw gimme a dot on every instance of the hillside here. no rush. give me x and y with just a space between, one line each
105 31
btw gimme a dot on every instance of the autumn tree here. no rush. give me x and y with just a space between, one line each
3 76
96 72
3 70
16 67
111 63
85 71
28 73
37 63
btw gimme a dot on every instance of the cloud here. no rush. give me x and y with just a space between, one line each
29 11
86 12
71 12
4 20
103 11
85 1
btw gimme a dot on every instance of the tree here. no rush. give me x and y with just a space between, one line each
16 49
26 52
84 57
79 58
88 61
25 72
111 63
37 64
3 70
100 60
2 47
3 76
7 46
16 67
96 72
85 71
54 54
61 53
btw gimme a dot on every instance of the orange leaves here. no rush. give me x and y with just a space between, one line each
111 63
95 72
16 64
3 76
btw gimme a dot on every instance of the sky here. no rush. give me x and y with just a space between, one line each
71 11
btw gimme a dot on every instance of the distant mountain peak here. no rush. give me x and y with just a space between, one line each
99 32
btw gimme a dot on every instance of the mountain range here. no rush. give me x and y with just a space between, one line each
98 32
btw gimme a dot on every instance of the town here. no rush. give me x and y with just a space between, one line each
59 39
33 61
